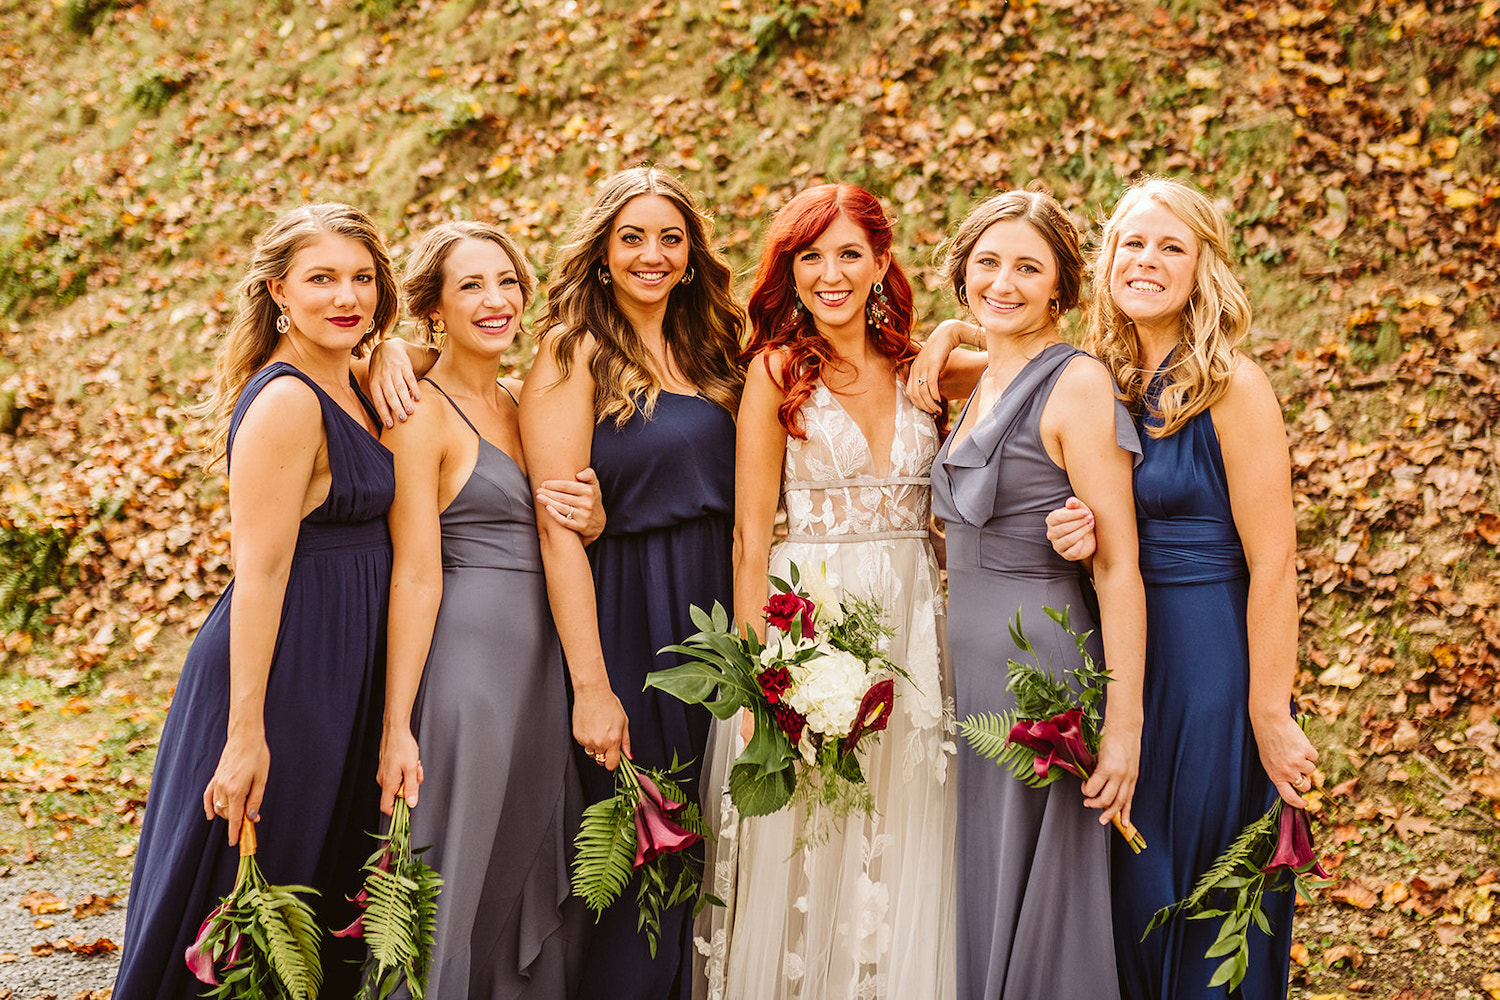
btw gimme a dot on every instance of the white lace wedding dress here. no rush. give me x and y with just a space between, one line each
868 913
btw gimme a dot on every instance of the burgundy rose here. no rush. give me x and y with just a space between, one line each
783 609
874 712
791 721
655 833
775 682
200 954
1294 846
1058 740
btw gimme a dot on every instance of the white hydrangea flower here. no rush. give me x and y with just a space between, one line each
827 690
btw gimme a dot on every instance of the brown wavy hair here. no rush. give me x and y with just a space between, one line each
422 272
1214 321
777 322
1037 207
252 336
702 326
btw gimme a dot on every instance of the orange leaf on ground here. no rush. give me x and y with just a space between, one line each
94 905
1355 894
39 901
1343 953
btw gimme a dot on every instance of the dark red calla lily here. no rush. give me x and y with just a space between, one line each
200 954
874 712
1058 740
1294 846
361 900
655 833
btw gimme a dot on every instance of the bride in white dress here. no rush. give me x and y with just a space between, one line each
825 429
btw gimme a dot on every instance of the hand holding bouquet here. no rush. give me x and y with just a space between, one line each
815 693
1052 726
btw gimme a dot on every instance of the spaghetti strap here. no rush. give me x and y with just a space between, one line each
464 417
512 395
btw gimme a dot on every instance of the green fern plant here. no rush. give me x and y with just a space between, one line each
399 912
262 938
39 557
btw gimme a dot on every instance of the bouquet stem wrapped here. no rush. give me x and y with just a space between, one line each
1052 726
642 830
263 939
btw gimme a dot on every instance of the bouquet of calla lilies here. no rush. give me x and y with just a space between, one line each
1054 728
1271 852
642 831
262 939
818 691
397 912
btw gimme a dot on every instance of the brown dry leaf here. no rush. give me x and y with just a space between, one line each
1300 954
1355 894
8 956
39 901
1406 826
42 923
79 945
1490 983
94 905
1343 953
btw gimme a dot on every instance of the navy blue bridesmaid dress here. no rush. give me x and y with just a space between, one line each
1201 779
324 696
668 485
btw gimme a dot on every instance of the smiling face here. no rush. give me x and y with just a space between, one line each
1154 269
647 252
834 276
483 297
329 292
1011 280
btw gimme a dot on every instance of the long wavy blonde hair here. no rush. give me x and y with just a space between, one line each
1214 321
252 337
422 273
703 323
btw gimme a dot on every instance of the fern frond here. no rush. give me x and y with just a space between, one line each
989 735
605 847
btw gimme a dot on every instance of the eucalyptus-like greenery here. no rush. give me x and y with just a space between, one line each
262 938
609 851
400 912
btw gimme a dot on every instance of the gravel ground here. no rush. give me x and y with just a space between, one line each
27 975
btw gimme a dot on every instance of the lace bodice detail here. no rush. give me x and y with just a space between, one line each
831 481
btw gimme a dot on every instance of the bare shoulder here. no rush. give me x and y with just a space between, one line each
1086 379
512 385
285 400
768 365
1250 393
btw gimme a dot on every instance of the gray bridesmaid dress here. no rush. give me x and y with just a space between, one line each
501 800
1033 864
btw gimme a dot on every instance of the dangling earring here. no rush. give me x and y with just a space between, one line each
963 296
875 310
603 274
687 279
439 332
1054 310
283 322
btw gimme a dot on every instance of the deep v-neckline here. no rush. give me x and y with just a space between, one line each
864 439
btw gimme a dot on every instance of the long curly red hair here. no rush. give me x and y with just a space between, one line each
777 323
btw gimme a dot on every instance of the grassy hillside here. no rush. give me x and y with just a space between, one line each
1353 143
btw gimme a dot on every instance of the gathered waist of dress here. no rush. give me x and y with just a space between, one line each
830 538
1015 545
1189 550
337 537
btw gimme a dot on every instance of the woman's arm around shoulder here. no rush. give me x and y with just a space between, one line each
1081 418
389 375
760 448
1252 441
420 447
557 432
271 477
942 371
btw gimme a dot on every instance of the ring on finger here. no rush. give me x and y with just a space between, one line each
921 381
220 805
569 514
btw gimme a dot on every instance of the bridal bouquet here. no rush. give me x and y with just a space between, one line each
643 829
1269 853
818 691
1052 726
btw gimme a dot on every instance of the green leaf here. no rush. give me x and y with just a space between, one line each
759 793
605 847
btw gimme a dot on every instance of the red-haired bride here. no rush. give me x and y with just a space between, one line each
827 432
